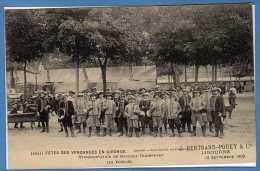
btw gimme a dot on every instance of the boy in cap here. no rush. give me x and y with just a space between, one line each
93 114
110 109
196 107
157 114
132 111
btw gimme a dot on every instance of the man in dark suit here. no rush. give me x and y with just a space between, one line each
184 102
44 112
122 120
69 114
218 112
117 100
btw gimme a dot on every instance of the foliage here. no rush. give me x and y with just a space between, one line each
165 36
24 35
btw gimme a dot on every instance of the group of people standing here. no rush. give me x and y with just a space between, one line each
138 111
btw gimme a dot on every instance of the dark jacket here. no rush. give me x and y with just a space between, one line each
144 105
220 105
39 101
69 108
121 108
182 103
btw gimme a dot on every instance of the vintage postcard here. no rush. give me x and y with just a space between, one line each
116 87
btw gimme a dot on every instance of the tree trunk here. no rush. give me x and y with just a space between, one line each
213 73
216 73
173 75
104 76
131 76
85 73
197 73
12 80
24 83
207 72
156 76
185 73
47 68
36 83
77 76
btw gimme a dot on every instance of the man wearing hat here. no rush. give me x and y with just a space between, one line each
107 90
132 111
196 106
100 102
179 91
171 90
206 96
157 114
116 100
218 111
151 95
93 114
110 110
171 108
43 112
81 102
142 91
144 106
121 118
185 114
128 94
165 101
69 105
137 97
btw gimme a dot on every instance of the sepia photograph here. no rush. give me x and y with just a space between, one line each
137 86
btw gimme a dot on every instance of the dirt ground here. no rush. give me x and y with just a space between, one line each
22 142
